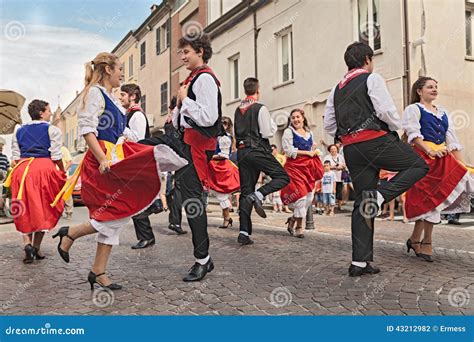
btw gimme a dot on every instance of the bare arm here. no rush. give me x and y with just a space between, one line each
418 142
94 146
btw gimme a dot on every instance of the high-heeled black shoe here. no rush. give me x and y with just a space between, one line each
425 257
29 254
410 246
290 222
37 256
63 232
229 223
92 278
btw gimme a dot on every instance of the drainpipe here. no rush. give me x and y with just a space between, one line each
255 37
406 59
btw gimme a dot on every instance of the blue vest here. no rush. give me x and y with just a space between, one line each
34 141
301 143
432 128
112 122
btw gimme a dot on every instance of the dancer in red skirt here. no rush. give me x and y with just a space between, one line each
449 183
223 173
303 167
119 179
35 179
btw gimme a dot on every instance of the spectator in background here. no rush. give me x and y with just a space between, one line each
67 161
338 164
4 165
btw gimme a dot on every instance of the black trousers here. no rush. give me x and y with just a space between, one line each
365 160
190 187
175 203
143 229
251 162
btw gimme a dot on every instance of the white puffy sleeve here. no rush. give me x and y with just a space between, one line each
411 122
329 116
56 138
452 142
88 115
287 144
16 154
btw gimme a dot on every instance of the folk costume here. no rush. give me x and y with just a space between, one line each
133 182
35 180
361 114
449 184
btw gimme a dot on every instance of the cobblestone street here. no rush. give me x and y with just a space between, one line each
278 275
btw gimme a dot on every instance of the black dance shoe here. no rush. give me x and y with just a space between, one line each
356 271
92 278
198 271
144 244
257 204
244 240
63 232
29 254
177 229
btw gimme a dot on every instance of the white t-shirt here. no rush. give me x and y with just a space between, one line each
327 182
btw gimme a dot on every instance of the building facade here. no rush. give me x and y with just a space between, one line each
296 50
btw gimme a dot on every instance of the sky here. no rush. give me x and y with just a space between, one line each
45 43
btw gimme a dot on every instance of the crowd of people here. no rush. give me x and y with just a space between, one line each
128 174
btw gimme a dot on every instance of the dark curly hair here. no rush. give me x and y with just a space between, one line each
36 107
198 41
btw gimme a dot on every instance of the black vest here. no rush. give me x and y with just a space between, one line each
215 130
147 130
354 109
247 130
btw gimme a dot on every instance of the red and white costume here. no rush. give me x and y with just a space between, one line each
449 185
303 171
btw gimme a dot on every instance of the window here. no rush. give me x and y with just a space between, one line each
368 23
285 54
130 66
234 77
216 8
158 41
178 4
143 103
142 54
469 28
164 98
163 37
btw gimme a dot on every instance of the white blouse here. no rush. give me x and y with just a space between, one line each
225 144
88 115
411 125
287 141
55 136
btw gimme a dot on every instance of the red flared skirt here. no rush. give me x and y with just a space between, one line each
303 171
129 187
223 176
33 213
433 189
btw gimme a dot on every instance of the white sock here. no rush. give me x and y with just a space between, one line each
380 199
259 195
203 261
244 233
359 263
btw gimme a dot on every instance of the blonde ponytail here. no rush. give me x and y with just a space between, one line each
95 71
